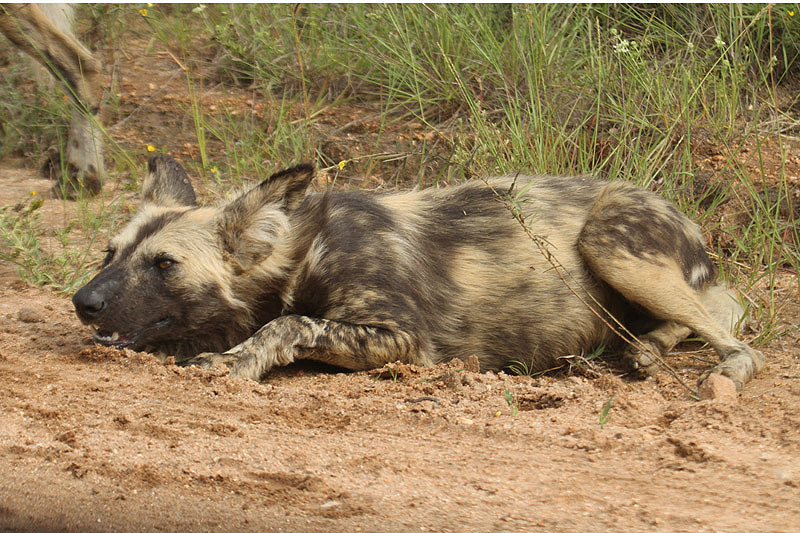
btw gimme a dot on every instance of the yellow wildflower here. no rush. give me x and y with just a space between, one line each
151 148
143 12
790 13
213 169
33 193
342 163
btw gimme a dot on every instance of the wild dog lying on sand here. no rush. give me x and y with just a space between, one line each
358 280
43 32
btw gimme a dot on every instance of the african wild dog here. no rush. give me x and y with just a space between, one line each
42 31
360 280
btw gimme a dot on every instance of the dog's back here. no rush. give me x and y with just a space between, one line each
455 267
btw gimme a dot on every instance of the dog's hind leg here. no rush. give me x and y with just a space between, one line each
721 304
292 337
646 250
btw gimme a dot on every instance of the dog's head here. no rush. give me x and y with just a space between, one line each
183 279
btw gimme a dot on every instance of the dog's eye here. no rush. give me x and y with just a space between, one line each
109 256
164 263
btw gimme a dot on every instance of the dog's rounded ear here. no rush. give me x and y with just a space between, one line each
249 225
167 184
285 188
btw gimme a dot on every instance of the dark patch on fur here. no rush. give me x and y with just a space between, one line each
629 220
206 322
312 296
61 73
149 228
354 221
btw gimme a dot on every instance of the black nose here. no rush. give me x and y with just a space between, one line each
94 299
89 303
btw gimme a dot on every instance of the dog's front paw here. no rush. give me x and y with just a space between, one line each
209 359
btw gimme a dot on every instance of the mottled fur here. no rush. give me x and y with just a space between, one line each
359 280
43 33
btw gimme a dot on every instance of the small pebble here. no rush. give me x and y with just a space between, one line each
718 388
29 314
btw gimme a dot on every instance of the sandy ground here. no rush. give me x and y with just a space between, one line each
97 439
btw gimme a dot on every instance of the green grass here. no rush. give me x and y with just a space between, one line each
63 257
622 91
606 411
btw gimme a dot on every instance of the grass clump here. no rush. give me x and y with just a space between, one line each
55 258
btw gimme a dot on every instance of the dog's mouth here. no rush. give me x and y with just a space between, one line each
116 339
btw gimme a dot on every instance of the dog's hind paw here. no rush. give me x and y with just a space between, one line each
739 366
640 358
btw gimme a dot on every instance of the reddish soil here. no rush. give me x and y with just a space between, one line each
95 439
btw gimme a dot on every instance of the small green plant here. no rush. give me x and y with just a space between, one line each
389 371
522 368
584 364
606 411
597 352
512 402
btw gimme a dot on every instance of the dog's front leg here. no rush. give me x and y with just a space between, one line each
292 337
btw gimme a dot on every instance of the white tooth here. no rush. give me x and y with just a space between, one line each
114 336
